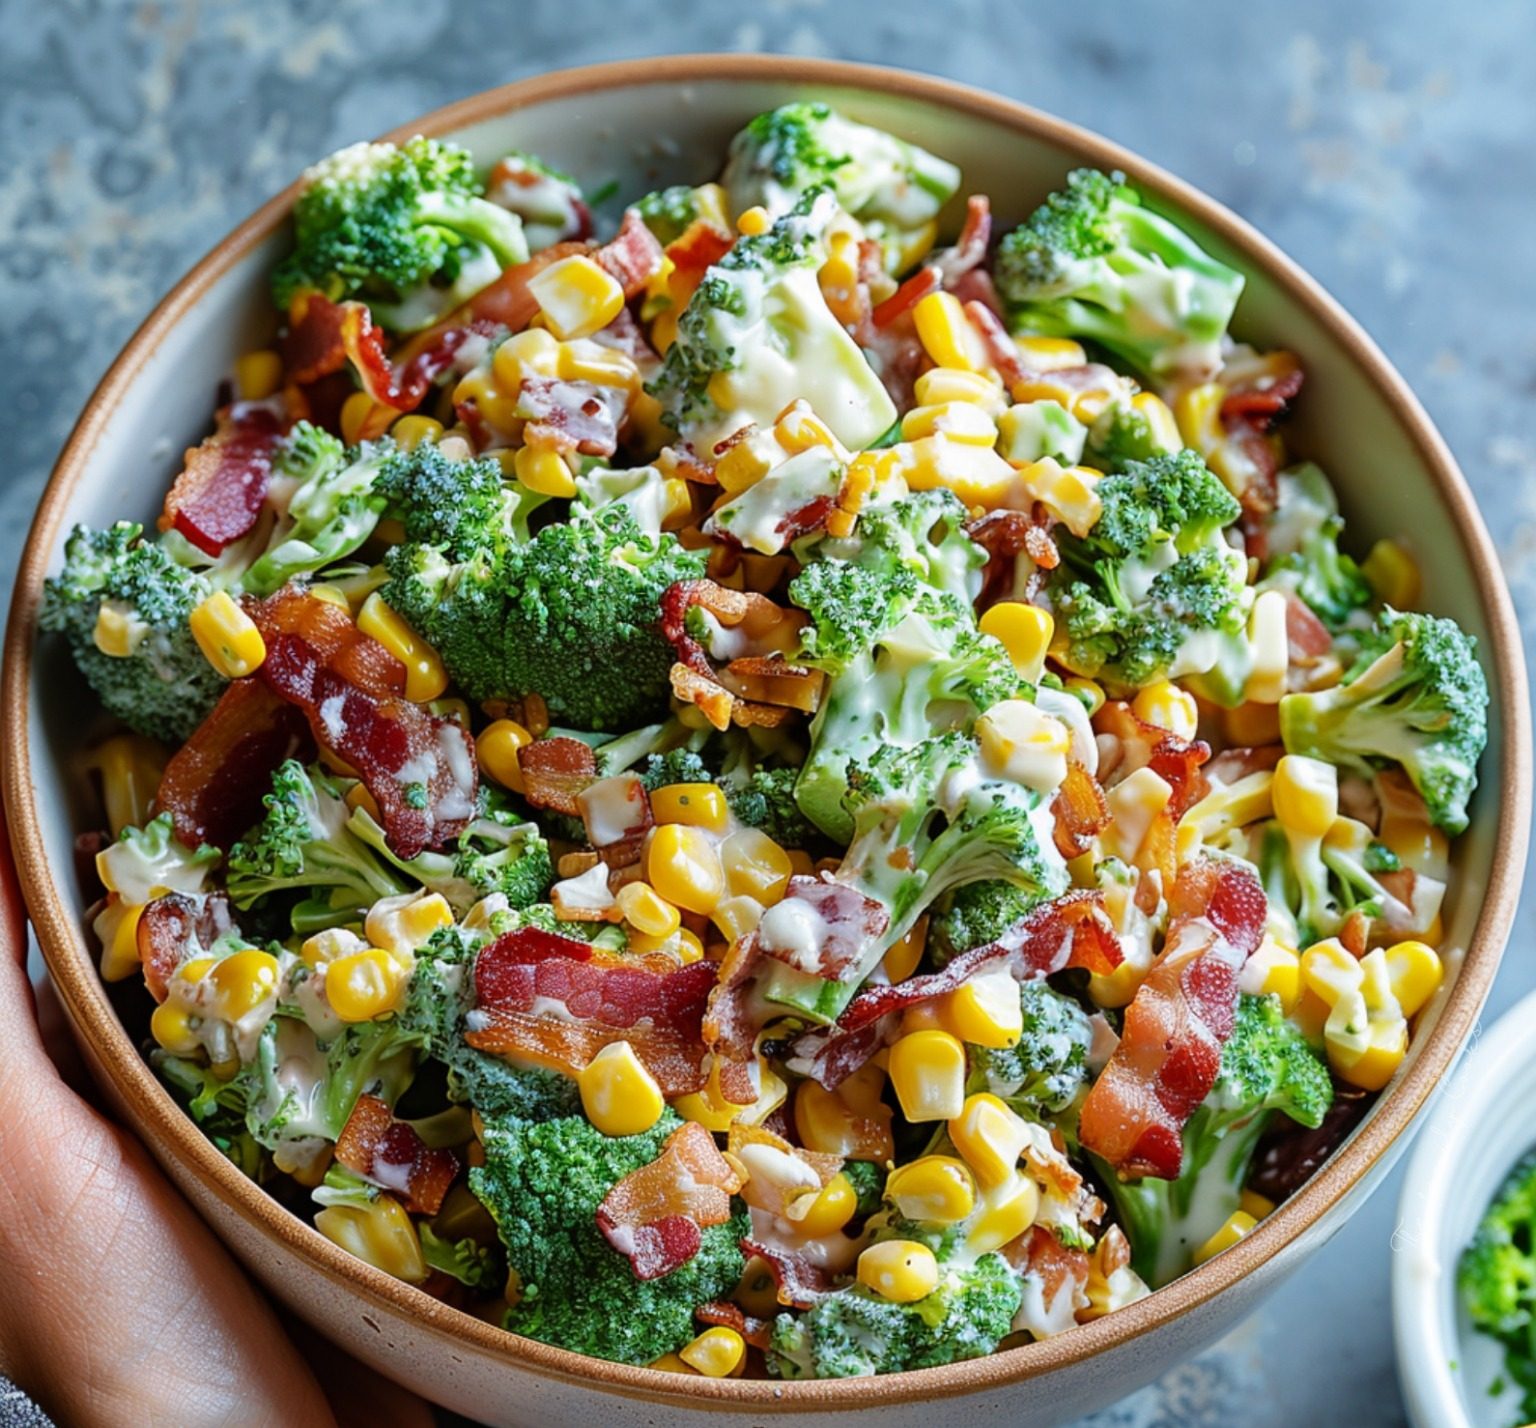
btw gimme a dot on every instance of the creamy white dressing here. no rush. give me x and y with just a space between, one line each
586 892
756 517
796 930
1070 710
612 808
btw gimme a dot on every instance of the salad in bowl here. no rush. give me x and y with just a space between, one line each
749 789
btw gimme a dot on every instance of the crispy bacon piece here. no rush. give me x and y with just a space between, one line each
906 297
388 1153
655 1216
1141 745
977 286
1006 535
632 256
699 247
1261 406
1080 810
568 416
1306 636
729 1028
757 1332
800 1282
555 771
175 928
1001 348
970 249
657 1007
1062 1272
419 767
214 783
220 491
846 920
1170 1049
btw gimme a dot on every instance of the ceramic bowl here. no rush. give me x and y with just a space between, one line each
1481 1128
668 120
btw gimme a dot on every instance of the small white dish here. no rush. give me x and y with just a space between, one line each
1484 1123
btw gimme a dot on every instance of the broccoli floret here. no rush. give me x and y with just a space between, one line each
1042 1073
161 685
926 819
404 229
1267 1068
976 914
458 507
1303 542
1122 434
1497 1278
767 801
218 1105
543 1184
571 615
668 212
757 335
894 188
1153 591
547 200
1093 262
675 766
854 1332
868 1181
473 1264
1416 697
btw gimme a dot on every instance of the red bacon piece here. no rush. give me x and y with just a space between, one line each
1176 761
1306 636
655 1216
388 1153
175 928
728 1028
214 783
1081 812
567 416
977 286
1261 406
757 1332
632 256
1040 1253
220 491
1170 1049
555 771
699 247
420 768
970 249
907 296
606 999
1001 348
800 1283
848 922
1006 535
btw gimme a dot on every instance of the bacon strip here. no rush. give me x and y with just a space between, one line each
175 928
800 1282
846 919
970 249
220 491
556 772
1080 810
757 1332
770 1195
214 783
1170 1049
1176 761
568 416
906 297
632 256
655 1216
419 767
1001 348
388 1153
657 1007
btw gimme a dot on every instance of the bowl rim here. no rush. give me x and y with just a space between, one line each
56 919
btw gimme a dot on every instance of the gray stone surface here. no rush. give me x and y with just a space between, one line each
1389 145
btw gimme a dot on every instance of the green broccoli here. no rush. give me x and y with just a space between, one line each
218 1105
669 212
458 507
405 229
1416 697
1267 1068
1122 434
976 914
1303 542
1093 262
868 1181
1041 1074
474 1265
571 615
759 326
766 800
682 765
894 188
1497 1278
161 684
543 1184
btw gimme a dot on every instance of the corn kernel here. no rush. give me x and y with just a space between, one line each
329 944
172 1029
1010 1212
672 1363
1238 1224
1197 411
576 296
825 1211
903 955
1251 1203
1415 972
258 375
531 353
699 805
946 333
798 429
602 366
1023 743
990 1136
958 421
737 916
243 981
939 1188
1271 649
1393 574
716 1353
828 1121
131 767
1025 631
496 749
227 636
683 866
901 1271
425 677
1050 354
363 985
1306 795
755 866
928 1073
363 419
618 1094
1165 430
117 633
400 925
1166 706
746 463
1274 970
379 1233
985 1010
544 472
941 385
1068 493
117 927
754 222
411 431
645 911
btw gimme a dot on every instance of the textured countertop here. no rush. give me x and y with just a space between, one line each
1388 145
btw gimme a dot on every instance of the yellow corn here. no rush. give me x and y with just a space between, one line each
1165 430
425 677
363 419
1415 972
671 1363
902 1271
1050 354
1271 649
1167 706
173 1029
1025 631
618 1094
1306 795
990 1136
258 375
825 1211
411 431
227 636
117 928
1023 743
1393 574
363 985
402 924
602 366
747 462
902 956
699 805
327 946
964 422
379 1233
827 1120
1134 803
1237 1225
195 969
576 296
1275 970
1068 493
985 1011
941 385
939 1188
544 472
755 866
117 633
1086 688
496 749
130 767
946 333
737 916
531 353
754 222
243 981
1009 1212
928 1073
646 911
1197 412
798 429
716 1353
976 474
683 866
1366 1033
